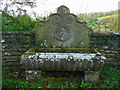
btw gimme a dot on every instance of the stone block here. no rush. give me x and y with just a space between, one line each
92 76
12 63
33 75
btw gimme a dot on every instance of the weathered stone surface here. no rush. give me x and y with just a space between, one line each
62 61
8 46
16 33
6 36
33 75
62 30
14 44
20 50
11 53
11 57
105 41
11 63
92 76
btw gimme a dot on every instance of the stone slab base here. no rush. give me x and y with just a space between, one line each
33 75
92 76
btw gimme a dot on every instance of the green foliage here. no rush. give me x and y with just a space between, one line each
102 21
20 23
109 78
99 22
11 83
85 85
100 18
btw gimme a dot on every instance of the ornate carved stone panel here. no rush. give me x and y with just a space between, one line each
62 30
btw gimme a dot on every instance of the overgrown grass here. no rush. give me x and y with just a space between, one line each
109 78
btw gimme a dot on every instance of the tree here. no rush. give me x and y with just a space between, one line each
17 8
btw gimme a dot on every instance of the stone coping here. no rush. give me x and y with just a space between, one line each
63 50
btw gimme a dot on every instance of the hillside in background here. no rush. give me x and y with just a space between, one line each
101 22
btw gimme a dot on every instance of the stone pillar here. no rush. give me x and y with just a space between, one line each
92 76
33 75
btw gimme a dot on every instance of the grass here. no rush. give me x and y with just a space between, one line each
100 18
109 78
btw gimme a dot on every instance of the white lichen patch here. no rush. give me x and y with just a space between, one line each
61 56
2 41
29 71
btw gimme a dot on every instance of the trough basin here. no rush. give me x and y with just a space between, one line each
63 59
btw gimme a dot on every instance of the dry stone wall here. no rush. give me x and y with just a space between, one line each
14 44
109 46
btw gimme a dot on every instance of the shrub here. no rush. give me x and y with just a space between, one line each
20 23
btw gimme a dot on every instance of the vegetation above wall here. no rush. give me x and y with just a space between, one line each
20 23
99 22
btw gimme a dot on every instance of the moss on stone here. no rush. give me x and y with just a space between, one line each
87 50
31 51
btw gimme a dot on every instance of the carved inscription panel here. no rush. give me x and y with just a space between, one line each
62 30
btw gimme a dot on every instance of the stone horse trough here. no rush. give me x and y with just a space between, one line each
62 44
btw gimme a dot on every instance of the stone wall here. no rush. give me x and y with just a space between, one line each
105 41
109 46
14 44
